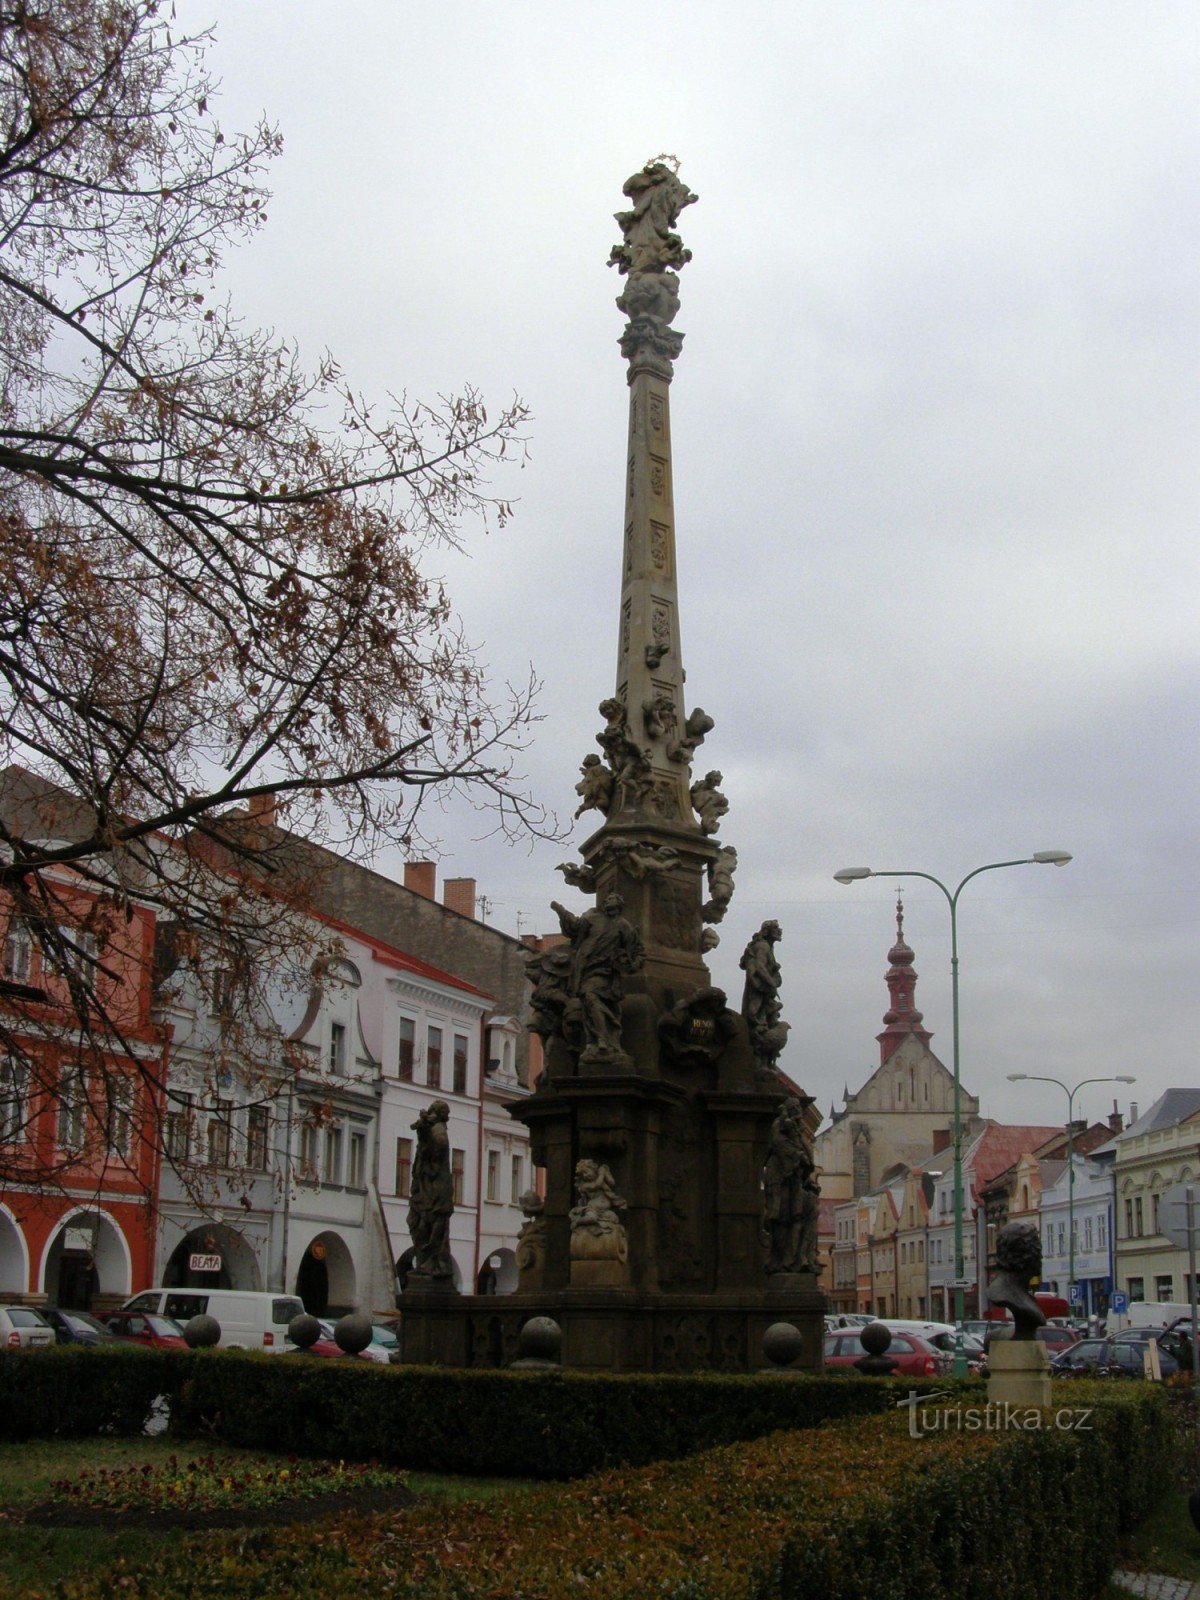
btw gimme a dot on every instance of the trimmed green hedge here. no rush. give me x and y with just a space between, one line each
842 1511
507 1424
75 1392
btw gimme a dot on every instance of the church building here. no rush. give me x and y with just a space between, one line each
906 1107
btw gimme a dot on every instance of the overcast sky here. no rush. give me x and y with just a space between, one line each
935 429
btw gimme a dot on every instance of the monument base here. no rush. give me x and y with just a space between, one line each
616 1330
1019 1372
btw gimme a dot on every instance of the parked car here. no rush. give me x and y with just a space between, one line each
146 1328
916 1357
77 1327
22 1328
973 1348
1123 1357
385 1336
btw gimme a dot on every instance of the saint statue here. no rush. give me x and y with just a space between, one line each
791 1194
431 1199
604 948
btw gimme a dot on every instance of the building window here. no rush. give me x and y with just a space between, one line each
76 953
337 1049
1102 1232
404 1167
1062 1238
120 1118
1154 1224
220 1135
333 1154
222 991
1129 1219
1137 1289
308 1153
433 1058
518 1180
356 1176
14 1086
1138 1217
458 1167
258 1123
408 1044
72 1106
1164 1287
460 1063
179 1129
493 1175
18 951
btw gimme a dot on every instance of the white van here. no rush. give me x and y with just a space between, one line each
249 1320
1148 1314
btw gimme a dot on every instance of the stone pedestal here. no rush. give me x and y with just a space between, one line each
1018 1372
617 1330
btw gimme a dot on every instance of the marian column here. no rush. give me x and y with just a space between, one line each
680 1208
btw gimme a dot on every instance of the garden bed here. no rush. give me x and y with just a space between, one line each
217 1492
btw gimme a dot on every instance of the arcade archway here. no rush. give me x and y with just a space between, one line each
326 1280
87 1257
213 1256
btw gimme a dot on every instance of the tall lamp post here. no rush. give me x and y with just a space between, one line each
1045 858
1038 1077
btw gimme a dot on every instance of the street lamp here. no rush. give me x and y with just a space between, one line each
1047 858
1038 1077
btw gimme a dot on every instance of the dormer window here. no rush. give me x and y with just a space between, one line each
337 1049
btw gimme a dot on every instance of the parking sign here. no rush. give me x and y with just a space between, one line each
1119 1301
1076 1294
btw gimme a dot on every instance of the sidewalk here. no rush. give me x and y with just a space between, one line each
1156 1586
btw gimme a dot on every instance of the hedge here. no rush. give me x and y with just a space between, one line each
76 1392
507 1424
841 1511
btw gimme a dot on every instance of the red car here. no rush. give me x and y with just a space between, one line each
915 1356
146 1328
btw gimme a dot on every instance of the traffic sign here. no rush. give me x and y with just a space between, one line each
1076 1294
1119 1302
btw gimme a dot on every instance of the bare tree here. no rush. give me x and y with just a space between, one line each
210 588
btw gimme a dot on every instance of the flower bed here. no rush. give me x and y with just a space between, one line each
218 1491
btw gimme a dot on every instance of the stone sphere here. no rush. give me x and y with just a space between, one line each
540 1340
304 1330
782 1344
353 1332
202 1332
875 1338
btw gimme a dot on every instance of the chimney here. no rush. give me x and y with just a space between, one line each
262 808
458 894
941 1140
421 878
1116 1122
1133 1114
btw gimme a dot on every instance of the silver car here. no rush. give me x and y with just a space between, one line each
22 1328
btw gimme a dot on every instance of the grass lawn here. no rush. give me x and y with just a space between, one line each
1167 1541
31 1559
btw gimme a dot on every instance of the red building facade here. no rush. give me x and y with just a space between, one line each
80 1104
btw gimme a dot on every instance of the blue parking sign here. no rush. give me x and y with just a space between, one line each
1119 1301
1076 1294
